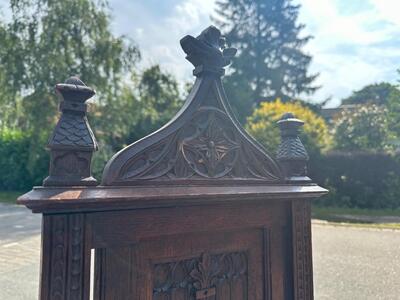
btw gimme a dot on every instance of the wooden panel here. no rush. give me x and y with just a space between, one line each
202 277
220 265
129 227
113 269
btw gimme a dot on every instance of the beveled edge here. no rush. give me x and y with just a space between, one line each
102 198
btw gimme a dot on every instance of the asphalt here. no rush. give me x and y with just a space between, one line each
349 263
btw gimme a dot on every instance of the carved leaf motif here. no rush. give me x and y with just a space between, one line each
198 274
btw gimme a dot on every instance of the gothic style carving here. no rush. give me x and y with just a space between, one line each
58 259
72 143
76 257
202 277
301 211
67 257
204 141
213 148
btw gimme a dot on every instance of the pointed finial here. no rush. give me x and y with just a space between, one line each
292 155
72 143
208 52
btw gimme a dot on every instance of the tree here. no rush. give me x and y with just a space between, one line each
146 103
47 41
377 93
365 129
270 63
262 124
10 68
159 99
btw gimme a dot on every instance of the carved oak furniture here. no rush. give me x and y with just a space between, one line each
195 210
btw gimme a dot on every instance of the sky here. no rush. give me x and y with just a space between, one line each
356 42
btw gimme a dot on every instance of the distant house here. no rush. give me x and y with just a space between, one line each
329 113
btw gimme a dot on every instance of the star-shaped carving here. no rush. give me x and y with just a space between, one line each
210 148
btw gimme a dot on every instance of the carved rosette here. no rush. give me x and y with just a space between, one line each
204 143
213 148
72 142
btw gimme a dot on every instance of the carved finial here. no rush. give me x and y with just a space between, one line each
207 52
292 155
72 143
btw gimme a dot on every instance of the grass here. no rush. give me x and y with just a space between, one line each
340 217
392 226
323 212
9 196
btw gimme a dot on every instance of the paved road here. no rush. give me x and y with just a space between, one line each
19 253
356 263
349 263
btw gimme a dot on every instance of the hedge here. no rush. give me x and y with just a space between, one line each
19 170
358 180
362 180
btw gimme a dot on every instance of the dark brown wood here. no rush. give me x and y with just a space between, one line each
302 250
72 142
196 210
204 143
65 269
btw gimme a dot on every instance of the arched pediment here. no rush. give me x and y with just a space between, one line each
203 143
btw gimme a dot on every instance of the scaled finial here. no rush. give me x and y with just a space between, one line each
292 155
72 143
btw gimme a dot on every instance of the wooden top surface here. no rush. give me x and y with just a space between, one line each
101 198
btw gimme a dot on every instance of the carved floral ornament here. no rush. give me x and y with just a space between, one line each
200 277
204 141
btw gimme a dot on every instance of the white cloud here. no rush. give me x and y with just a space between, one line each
159 33
388 10
351 50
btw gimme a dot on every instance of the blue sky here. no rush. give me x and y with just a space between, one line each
356 42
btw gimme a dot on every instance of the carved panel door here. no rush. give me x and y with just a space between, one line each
226 265
211 266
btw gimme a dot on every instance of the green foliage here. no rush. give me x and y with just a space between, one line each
377 93
270 63
365 129
393 108
9 196
14 157
44 43
262 125
144 105
147 103
359 179
160 100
